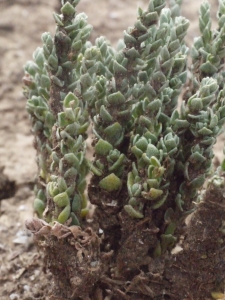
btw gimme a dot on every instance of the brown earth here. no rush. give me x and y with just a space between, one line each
21 24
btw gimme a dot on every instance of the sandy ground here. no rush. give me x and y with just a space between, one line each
21 25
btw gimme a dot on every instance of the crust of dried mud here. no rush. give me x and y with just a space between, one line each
21 24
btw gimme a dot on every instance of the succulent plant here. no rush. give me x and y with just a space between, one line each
152 161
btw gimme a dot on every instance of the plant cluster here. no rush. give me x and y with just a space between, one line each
150 162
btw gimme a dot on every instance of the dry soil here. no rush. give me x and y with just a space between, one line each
21 24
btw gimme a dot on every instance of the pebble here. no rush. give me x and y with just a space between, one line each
14 296
26 288
22 207
21 237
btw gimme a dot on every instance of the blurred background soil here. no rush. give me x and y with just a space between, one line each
21 25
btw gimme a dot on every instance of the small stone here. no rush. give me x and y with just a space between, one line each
22 207
94 264
14 296
26 288
100 231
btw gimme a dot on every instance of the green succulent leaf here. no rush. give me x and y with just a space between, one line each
103 147
133 212
110 183
64 215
